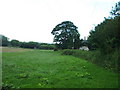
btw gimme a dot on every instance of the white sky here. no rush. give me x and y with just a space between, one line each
33 20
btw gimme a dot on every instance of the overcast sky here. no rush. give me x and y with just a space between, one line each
33 20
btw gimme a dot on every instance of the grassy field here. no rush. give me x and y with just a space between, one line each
49 69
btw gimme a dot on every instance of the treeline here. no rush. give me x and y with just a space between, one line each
105 36
33 45
103 43
105 39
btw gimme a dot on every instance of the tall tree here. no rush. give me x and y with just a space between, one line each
66 35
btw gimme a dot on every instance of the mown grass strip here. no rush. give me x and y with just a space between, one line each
49 69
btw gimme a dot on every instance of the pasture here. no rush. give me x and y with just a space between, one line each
49 69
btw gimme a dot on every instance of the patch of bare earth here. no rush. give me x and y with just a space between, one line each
12 49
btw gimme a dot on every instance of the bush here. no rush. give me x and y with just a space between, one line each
46 47
108 61
55 49
67 52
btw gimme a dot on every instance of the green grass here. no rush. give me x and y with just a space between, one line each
108 61
49 69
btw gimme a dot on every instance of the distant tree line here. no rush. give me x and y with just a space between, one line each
15 43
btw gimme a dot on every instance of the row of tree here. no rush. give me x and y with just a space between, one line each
104 39
33 45
106 35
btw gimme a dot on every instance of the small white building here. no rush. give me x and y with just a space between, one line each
84 48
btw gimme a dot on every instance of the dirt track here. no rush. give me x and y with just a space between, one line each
11 49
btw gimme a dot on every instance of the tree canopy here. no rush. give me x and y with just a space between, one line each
116 9
15 42
3 40
66 35
106 35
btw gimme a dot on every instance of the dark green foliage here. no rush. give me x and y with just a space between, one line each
87 55
23 45
66 35
105 39
55 49
32 44
109 61
15 43
3 40
47 46
84 42
106 36
36 45
68 52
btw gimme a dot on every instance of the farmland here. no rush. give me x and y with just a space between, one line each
11 49
49 69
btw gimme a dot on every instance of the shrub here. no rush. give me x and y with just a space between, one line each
55 49
108 61
67 52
